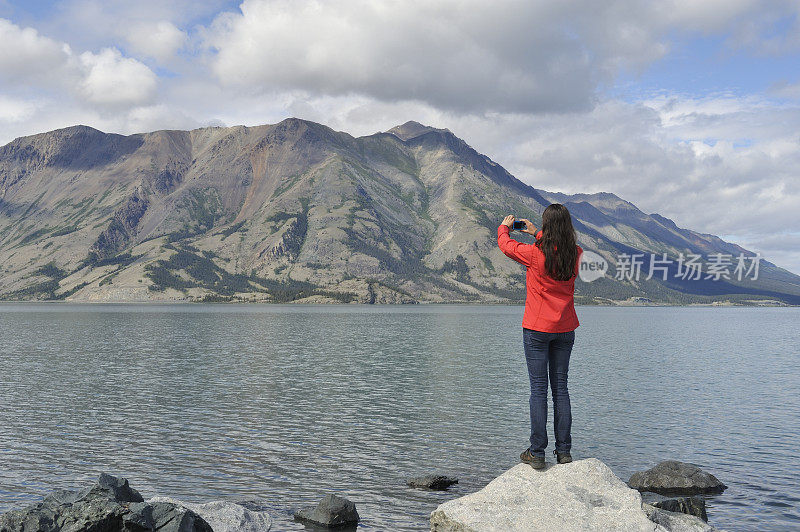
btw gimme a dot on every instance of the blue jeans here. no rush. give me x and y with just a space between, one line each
547 354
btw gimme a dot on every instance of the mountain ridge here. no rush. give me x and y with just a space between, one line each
296 211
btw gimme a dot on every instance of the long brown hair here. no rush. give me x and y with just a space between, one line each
558 243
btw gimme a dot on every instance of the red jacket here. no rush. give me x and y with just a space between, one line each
550 304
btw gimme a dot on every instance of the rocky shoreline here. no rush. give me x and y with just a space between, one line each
582 495
112 505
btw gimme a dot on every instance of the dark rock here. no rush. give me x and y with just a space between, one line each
140 516
675 521
164 517
51 516
62 497
687 505
432 482
332 511
671 477
110 505
114 489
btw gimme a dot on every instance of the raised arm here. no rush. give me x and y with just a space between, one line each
518 251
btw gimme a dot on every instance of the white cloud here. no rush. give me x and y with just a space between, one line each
511 55
95 24
467 56
781 248
784 89
711 15
15 110
756 30
160 40
111 79
153 117
28 56
35 64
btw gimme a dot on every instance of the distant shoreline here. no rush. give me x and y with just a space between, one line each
621 304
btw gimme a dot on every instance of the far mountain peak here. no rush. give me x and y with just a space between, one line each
412 129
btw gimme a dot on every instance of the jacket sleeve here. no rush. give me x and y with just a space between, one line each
518 251
578 261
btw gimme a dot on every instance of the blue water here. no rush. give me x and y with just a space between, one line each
283 404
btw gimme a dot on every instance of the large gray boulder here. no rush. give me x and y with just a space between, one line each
225 516
109 505
581 495
671 477
331 512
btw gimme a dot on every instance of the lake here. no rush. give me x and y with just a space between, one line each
284 404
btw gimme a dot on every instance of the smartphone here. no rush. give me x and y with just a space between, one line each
519 225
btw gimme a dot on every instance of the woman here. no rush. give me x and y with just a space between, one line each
549 322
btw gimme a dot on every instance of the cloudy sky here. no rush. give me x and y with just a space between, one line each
686 108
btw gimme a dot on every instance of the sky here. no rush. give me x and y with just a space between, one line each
688 109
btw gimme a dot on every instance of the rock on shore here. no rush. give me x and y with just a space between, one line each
582 495
225 516
671 477
695 505
111 504
331 512
432 482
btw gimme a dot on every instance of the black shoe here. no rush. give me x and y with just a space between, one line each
562 458
536 462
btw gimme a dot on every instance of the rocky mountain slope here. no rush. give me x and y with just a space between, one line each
298 212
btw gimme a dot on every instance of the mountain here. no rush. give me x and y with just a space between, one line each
296 211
